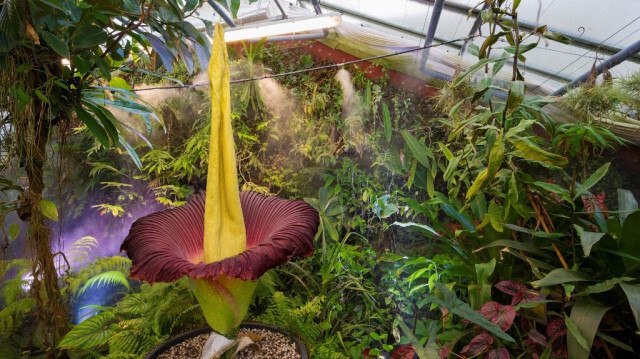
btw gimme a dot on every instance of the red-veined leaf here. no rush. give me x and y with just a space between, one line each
480 344
500 315
404 352
537 337
500 353
556 328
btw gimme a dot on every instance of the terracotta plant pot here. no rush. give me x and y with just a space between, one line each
155 353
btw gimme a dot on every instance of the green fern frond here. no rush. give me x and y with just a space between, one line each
13 289
110 278
82 249
327 352
131 342
133 304
192 316
13 315
121 356
116 263
99 167
91 333
301 320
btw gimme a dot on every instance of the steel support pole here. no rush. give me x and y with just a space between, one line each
284 14
431 32
222 12
474 28
316 6
607 64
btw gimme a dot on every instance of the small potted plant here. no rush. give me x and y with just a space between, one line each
223 240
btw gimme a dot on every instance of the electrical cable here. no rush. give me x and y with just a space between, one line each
326 67
547 8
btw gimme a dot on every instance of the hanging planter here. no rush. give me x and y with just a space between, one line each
184 353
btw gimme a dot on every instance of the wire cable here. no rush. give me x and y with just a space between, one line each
326 67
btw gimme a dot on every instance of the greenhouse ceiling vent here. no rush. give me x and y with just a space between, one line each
258 23
282 27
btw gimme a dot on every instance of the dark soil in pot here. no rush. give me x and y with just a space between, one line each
274 344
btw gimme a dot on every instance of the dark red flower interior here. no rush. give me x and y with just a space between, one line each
168 245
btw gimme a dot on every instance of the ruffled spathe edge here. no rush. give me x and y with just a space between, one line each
163 246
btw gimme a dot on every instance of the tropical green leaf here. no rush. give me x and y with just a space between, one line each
56 44
94 127
418 225
386 117
592 180
89 36
516 245
588 239
90 333
14 231
451 167
484 271
583 324
463 310
628 241
430 350
478 183
532 232
462 219
603 286
420 151
560 276
576 335
49 210
633 296
531 151
475 67
522 125
626 203
516 96
119 82
615 342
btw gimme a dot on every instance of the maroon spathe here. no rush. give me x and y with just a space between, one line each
168 245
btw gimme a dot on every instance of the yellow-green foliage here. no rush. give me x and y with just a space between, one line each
79 279
137 323
15 301
303 320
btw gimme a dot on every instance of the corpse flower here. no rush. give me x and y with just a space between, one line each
223 240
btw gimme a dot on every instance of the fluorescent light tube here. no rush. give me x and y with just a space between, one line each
282 27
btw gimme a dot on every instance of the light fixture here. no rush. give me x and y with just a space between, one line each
282 27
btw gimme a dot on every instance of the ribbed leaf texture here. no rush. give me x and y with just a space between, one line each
168 245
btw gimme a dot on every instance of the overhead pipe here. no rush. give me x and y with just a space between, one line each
474 28
284 14
607 64
431 31
295 37
316 6
222 12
